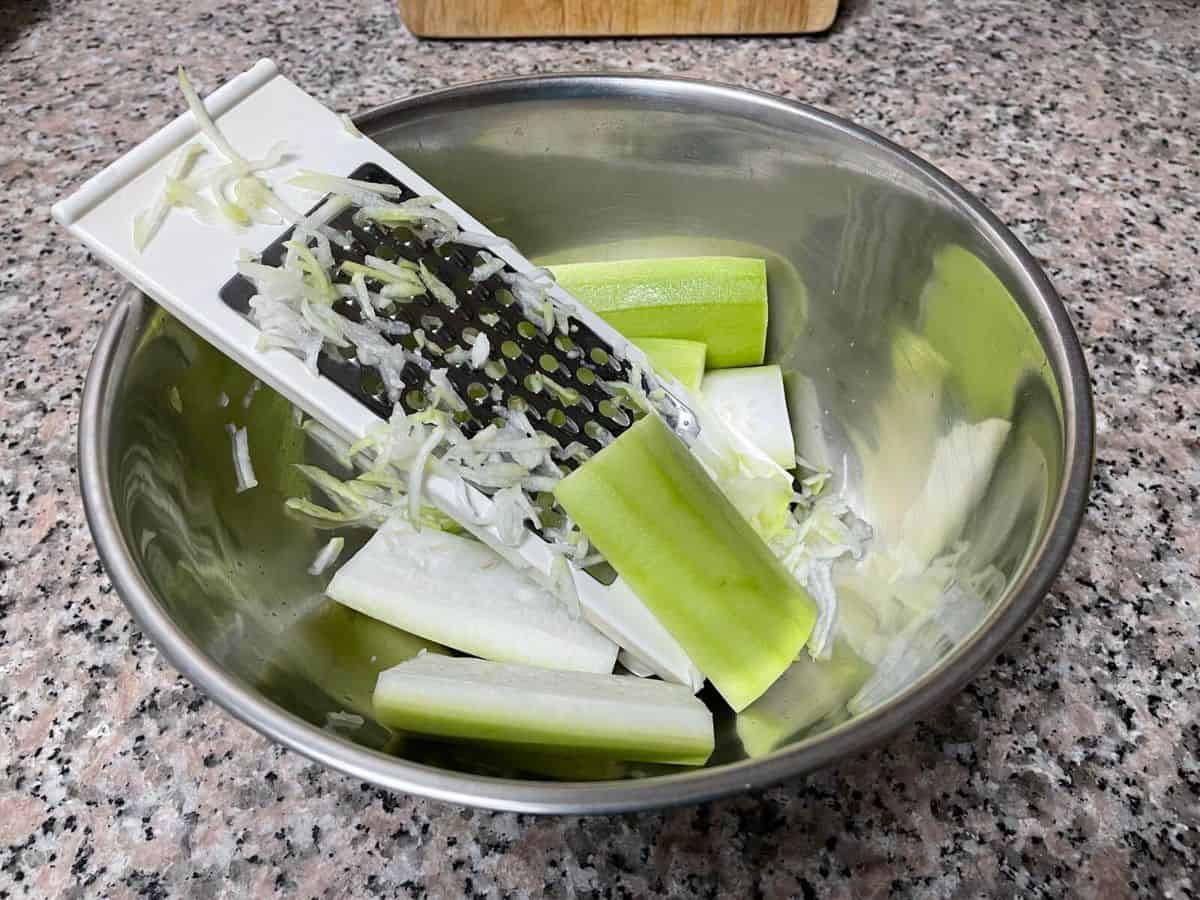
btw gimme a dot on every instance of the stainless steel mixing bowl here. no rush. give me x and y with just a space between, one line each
867 247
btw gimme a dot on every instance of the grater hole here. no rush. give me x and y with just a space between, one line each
597 432
570 427
348 309
451 254
628 401
414 400
557 378
464 288
613 411
371 382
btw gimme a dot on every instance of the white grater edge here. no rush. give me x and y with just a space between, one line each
100 214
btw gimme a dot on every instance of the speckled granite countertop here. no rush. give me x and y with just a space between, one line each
1068 768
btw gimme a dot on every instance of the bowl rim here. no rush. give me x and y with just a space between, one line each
937 686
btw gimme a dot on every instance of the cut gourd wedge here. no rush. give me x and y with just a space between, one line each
751 401
618 715
682 359
459 593
720 301
647 505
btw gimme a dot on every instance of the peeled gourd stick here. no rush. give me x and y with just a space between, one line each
618 715
646 504
720 301
459 593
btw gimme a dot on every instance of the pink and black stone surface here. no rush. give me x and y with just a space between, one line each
1067 768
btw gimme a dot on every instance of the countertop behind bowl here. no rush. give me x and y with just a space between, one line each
876 263
1038 777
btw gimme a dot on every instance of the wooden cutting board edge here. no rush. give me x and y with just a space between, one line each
614 18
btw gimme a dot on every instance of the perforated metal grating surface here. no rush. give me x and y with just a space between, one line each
555 378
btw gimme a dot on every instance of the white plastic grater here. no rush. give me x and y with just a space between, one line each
187 263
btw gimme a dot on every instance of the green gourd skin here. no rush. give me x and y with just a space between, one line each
720 301
477 724
808 692
614 716
650 508
683 360
988 351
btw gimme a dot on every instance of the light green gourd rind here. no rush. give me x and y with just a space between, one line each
618 715
720 301
810 691
648 506
972 320
515 761
342 651
682 359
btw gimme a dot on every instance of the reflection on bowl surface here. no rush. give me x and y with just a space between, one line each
928 365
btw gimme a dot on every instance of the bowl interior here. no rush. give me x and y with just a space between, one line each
898 317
